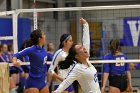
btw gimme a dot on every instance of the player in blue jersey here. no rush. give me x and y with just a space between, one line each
118 73
50 51
36 82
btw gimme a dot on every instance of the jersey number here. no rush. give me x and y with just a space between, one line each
95 78
122 63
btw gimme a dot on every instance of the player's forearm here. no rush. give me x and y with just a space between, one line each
129 77
86 37
58 77
105 77
66 83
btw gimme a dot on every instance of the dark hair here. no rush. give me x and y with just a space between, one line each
69 59
114 46
35 35
48 46
62 39
26 43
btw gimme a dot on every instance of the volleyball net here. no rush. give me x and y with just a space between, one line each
105 23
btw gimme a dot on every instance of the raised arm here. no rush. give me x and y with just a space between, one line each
86 36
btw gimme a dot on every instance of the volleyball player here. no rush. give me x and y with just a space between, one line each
60 55
82 71
118 73
35 83
50 50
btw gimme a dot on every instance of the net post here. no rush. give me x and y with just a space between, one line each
15 31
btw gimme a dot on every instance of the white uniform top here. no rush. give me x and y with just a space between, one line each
60 55
86 76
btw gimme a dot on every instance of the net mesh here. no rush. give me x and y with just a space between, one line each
104 24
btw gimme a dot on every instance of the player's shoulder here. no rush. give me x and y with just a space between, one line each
58 52
108 55
28 48
78 66
123 55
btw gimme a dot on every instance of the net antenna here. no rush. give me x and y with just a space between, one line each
35 14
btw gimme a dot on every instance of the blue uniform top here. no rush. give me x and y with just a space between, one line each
116 68
50 57
137 66
37 57
25 59
5 57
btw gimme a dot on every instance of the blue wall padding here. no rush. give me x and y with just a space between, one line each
24 30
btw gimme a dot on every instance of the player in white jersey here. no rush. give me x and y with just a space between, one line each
82 71
60 55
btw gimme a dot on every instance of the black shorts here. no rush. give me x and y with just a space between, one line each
26 68
13 72
118 81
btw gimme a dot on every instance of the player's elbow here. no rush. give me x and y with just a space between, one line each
51 72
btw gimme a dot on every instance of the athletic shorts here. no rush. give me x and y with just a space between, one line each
70 88
38 83
118 81
15 70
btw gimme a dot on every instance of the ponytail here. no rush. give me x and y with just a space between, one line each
35 35
114 46
69 59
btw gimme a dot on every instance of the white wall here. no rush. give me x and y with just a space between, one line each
2 5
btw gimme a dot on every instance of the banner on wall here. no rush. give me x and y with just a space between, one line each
132 31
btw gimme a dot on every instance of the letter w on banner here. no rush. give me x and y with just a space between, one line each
132 31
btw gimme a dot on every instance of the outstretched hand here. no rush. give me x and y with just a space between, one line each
82 21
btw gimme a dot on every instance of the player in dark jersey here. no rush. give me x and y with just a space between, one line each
117 73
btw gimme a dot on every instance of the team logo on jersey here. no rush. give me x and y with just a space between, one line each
132 31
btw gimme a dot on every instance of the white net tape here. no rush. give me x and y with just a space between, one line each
94 61
6 38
